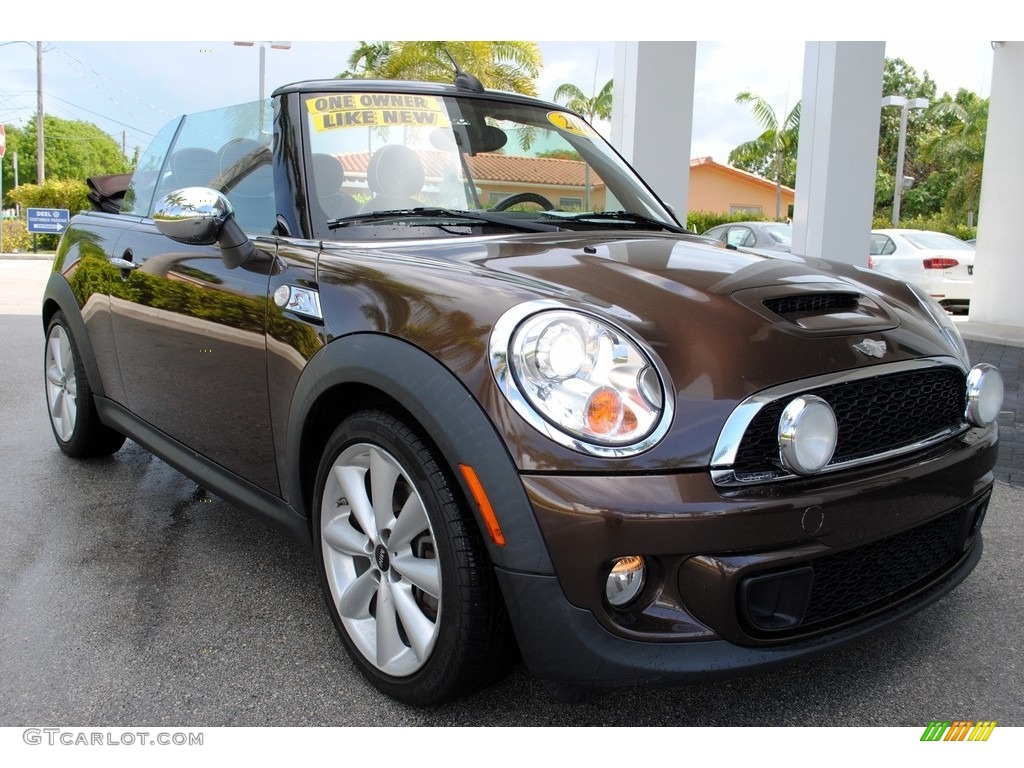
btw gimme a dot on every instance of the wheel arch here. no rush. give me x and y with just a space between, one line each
58 297
369 370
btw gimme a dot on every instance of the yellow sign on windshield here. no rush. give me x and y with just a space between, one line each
376 110
569 123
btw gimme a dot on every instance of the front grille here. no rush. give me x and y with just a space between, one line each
874 415
850 583
813 302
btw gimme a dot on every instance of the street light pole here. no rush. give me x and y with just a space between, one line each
905 106
40 143
277 46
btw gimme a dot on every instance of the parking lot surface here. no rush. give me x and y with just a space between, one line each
129 595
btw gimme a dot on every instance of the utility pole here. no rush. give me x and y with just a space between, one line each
40 160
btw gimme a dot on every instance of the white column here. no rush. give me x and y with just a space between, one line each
998 265
835 172
652 114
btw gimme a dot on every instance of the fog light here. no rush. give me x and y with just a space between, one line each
807 435
984 395
625 580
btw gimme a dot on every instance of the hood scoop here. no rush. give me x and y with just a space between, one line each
819 307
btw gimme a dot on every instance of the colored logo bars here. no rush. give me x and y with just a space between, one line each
958 730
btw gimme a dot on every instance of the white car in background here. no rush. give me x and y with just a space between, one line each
940 264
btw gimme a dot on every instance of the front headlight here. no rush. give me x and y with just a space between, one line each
579 379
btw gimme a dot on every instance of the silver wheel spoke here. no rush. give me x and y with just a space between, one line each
355 601
412 521
389 642
421 572
66 359
54 374
351 479
418 628
383 476
61 383
380 566
340 535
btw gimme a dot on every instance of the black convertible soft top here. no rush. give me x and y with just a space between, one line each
107 192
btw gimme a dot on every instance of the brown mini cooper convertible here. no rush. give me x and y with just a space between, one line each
450 339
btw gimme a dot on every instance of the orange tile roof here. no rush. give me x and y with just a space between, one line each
707 162
488 166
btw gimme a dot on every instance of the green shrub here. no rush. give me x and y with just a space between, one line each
16 236
935 222
72 195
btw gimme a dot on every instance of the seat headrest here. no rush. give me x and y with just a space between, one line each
395 171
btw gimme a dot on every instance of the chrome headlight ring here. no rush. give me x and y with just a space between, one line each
581 379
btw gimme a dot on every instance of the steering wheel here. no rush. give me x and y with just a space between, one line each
523 197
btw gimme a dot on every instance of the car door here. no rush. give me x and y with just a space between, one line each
191 344
190 332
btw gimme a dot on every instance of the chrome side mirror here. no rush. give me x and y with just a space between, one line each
202 216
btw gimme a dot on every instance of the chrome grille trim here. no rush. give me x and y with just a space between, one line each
740 419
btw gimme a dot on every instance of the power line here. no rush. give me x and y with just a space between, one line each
80 64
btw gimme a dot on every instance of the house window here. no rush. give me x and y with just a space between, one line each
570 203
753 209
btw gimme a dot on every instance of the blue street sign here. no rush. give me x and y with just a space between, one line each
48 221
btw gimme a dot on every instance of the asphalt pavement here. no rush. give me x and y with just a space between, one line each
129 595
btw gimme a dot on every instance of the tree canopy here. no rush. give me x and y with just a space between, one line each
507 65
75 150
944 149
773 153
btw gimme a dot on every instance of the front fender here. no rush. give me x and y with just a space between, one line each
443 408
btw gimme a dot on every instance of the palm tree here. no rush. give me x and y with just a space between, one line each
365 58
776 144
962 147
506 65
597 106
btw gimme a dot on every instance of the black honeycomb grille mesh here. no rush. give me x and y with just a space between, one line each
874 415
848 581
813 302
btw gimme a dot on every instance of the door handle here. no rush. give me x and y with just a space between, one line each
124 264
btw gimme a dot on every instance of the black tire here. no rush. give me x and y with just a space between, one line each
73 417
426 648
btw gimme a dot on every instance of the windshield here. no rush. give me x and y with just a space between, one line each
371 153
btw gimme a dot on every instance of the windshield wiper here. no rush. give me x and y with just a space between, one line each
627 217
441 213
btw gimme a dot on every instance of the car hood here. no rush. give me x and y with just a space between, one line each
724 323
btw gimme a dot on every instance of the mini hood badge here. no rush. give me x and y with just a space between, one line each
871 348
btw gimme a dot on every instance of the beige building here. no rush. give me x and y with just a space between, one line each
723 189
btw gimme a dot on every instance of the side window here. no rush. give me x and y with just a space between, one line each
138 199
718 233
740 236
227 150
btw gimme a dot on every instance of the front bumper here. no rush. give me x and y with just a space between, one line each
867 548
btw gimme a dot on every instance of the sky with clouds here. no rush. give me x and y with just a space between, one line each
130 88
